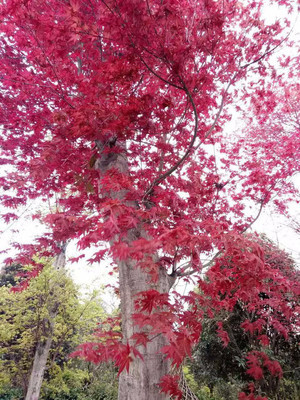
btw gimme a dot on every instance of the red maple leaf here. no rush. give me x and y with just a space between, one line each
169 385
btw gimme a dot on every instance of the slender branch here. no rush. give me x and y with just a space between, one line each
170 133
209 263
158 76
188 151
107 6
17 219
230 83
219 253
138 84
180 271
182 159
40 86
186 273
267 52
153 54
183 270
208 133
53 69
162 156
148 8
256 218
219 111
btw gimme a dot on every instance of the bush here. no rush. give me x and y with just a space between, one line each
10 393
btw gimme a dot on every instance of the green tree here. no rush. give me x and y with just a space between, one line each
25 323
8 275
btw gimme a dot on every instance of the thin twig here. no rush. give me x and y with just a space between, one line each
17 219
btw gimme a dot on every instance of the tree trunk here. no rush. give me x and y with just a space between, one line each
142 380
39 365
45 341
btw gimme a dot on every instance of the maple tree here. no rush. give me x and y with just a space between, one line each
248 336
117 106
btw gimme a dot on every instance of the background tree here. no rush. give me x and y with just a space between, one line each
117 105
220 360
8 275
22 327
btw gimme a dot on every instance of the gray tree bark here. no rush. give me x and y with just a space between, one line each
45 341
142 380
40 361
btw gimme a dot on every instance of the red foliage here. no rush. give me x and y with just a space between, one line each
108 347
223 334
151 299
155 82
169 385
257 361
250 396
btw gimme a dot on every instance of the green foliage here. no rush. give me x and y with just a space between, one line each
103 384
64 383
26 316
223 369
193 385
9 393
24 319
226 390
203 392
81 381
288 390
8 275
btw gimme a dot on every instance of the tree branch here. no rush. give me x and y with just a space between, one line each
208 133
267 52
182 159
158 76
256 218
182 270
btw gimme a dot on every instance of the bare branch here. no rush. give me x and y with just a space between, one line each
186 273
210 263
170 133
148 8
182 269
208 133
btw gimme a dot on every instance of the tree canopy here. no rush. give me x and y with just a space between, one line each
115 112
